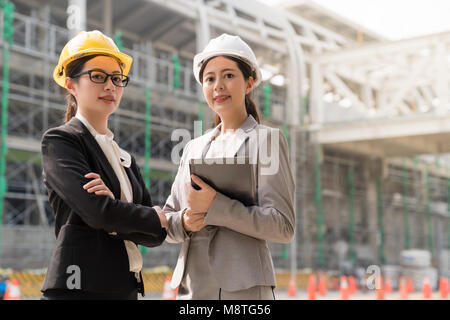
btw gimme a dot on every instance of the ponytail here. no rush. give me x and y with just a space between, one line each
251 108
71 110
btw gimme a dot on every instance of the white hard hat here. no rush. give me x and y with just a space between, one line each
227 45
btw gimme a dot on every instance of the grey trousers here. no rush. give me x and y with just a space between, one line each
253 293
199 283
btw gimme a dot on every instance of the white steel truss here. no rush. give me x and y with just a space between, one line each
390 79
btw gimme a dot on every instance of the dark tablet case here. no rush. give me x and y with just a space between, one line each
233 177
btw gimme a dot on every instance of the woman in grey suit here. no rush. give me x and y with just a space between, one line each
224 253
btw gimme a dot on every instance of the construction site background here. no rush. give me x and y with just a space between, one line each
371 165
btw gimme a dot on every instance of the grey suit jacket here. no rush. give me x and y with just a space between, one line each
238 252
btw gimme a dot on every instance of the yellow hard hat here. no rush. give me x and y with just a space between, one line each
88 43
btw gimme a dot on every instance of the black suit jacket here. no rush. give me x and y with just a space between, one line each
83 221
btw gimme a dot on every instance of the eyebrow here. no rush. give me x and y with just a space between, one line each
227 69
99 69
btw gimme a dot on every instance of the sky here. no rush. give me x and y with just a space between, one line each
393 19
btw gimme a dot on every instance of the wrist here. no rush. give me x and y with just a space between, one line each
182 221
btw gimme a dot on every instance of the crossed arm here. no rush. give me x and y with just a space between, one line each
65 168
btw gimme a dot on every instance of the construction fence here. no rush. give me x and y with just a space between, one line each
30 281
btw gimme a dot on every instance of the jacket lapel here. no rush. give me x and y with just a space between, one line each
108 174
207 138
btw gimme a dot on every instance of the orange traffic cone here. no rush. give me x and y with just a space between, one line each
292 291
380 288
403 288
410 285
388 286
443 287
168 292
426 288
344 288
352 285
312 287
322 285
12 290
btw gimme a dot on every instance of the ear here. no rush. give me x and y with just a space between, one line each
70 85
250 83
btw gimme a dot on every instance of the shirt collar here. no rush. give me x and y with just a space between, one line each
125 157
248 125
91 129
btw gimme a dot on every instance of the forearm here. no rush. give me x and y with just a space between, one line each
174 209
273 219
265 223
144 239
64 167
176 232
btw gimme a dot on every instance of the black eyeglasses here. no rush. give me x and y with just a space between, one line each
98 76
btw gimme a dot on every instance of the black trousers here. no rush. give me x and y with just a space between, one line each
66 294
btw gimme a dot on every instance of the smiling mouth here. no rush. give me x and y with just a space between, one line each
107 99
221 98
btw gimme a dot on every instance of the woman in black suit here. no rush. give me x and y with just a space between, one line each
97 231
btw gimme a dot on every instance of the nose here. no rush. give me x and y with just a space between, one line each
109 85
218 85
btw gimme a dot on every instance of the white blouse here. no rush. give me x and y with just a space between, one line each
220 144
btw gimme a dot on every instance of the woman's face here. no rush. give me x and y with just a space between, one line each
225 87
99 99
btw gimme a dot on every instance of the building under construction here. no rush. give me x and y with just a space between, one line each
367 121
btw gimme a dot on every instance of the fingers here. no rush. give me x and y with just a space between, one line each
197 226
92 175
97 188
90 184
97 185
191 212
193 221
198 181
102 193
193 225
196 219
101 190
105 193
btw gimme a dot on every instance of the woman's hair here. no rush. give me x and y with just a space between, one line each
247 71
72 69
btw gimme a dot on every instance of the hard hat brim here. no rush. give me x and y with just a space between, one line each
59 73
